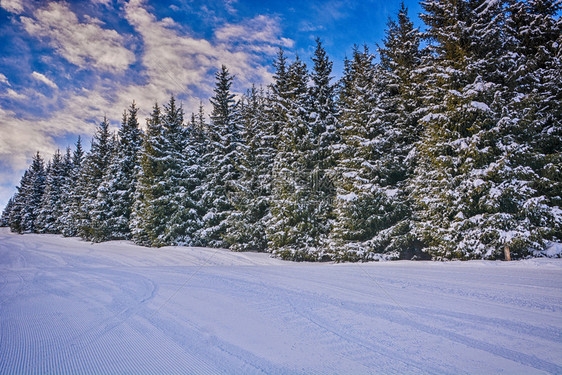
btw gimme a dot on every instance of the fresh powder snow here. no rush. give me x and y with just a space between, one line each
71 307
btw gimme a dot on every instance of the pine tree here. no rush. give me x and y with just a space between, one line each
363 207
68 222
223 158
18 203
400 130
297 225
51 204
146 224
27 200
91 175
116 192
5 218
251 199
475 188
163 212
177 202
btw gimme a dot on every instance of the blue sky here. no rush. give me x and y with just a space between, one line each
64 65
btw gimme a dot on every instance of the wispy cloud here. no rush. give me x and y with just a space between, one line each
15 95
4 79
171 60
260 29
86 45
12 6
45 80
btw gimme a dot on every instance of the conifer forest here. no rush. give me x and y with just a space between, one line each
437 144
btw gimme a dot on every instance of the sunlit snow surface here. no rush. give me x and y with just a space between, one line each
70 307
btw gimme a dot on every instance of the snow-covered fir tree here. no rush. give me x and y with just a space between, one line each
5 218
224 155
178 203
90 178
476 182
67 222
51 202
146 223
251 199
27 200
362 207
298 222
115 194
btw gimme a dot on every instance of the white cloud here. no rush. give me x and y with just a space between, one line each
173 62
4 79
176 63
260 29
82 44
45 80
15 95
12 6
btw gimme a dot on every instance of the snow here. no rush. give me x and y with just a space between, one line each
481 106
348 197
68 307
553 250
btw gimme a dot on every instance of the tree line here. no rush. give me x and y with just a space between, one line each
446 146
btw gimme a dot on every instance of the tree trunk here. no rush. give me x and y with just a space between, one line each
507 253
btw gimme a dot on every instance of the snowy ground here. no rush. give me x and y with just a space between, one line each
69 307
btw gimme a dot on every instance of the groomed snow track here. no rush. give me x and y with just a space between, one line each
70 307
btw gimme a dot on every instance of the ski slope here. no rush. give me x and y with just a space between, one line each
70 307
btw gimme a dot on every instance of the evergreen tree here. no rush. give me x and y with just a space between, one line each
27 200
115 196
183 215
146 223
68 221
223 158
297 225
251 200
5 218
18 203
91 176
363 206
163 211
475 180
51 203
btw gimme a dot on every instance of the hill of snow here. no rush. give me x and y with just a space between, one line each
67 307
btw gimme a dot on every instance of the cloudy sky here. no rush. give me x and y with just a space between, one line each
64 65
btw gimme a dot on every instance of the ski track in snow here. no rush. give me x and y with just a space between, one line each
68 306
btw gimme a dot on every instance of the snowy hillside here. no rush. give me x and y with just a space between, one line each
68 307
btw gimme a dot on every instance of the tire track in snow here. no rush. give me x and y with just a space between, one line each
392 314
281 307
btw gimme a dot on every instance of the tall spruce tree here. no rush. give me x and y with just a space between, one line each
363 207
51 203
297 225
474 188
178 202
146 222
91 176
27 200
115 196
223 158
161 212
5 218
68 221
251 199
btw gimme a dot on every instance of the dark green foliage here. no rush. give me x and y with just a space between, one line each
51 203
251 198
225 154
115 196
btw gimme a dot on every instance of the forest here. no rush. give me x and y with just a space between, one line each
438 144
